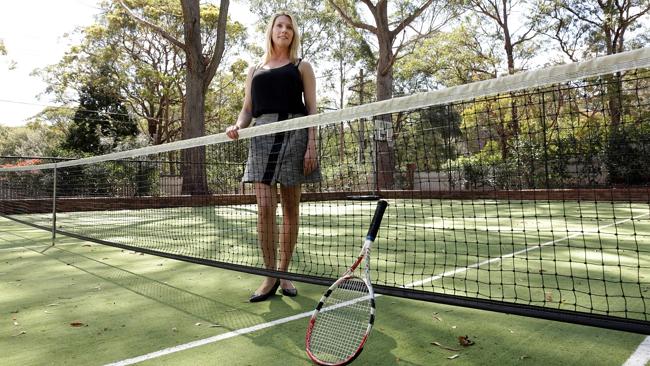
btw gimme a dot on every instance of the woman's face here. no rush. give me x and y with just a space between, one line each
282 34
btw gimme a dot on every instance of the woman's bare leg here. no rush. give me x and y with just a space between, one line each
267 203
290 196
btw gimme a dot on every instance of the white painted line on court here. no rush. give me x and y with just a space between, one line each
525 250
205 341
34 247
641 356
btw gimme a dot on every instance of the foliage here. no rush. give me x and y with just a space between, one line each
428 138
37 138
145 68
101 122
518 43
386 30
583 29
457 57
226 97
628 153
345 165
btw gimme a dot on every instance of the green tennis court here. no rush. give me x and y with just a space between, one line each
87 304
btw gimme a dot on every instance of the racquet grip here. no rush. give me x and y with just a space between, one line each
376 220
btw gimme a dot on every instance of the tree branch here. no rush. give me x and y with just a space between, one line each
408 20
156 28
219 43
524 37
351 21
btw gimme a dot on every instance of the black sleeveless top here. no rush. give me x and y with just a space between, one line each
277 90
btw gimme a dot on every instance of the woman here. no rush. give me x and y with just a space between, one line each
274 92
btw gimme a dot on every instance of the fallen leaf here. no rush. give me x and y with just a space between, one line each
445 347
465 341
548 296
78 324
453 357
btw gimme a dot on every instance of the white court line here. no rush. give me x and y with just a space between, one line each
34 247
205 341
540 246
255 328
641 356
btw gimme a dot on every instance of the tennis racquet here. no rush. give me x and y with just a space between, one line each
341 323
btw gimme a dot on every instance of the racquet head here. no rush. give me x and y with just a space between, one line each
340 325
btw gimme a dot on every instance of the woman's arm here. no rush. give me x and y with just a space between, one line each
246 114
309 87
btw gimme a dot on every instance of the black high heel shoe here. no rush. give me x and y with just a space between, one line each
291 292
261 297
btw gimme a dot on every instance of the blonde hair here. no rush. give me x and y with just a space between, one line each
295 42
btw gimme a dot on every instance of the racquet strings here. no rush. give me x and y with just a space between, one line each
342 322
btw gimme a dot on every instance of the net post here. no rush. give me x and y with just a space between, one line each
54 205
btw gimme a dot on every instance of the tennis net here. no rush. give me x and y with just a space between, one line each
527 194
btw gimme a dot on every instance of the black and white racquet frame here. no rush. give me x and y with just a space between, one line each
340 325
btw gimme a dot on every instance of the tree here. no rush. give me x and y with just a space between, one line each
584 29
517 41
386 31
100 123
37 138
148 70
200 70
5 149
459 56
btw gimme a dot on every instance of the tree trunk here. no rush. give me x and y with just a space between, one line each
193 169
385 152
514 114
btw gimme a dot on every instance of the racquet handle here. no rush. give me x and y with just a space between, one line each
376 220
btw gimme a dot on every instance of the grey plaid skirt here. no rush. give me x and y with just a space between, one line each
279 157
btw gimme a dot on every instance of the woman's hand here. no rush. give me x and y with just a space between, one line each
311 160
232 132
